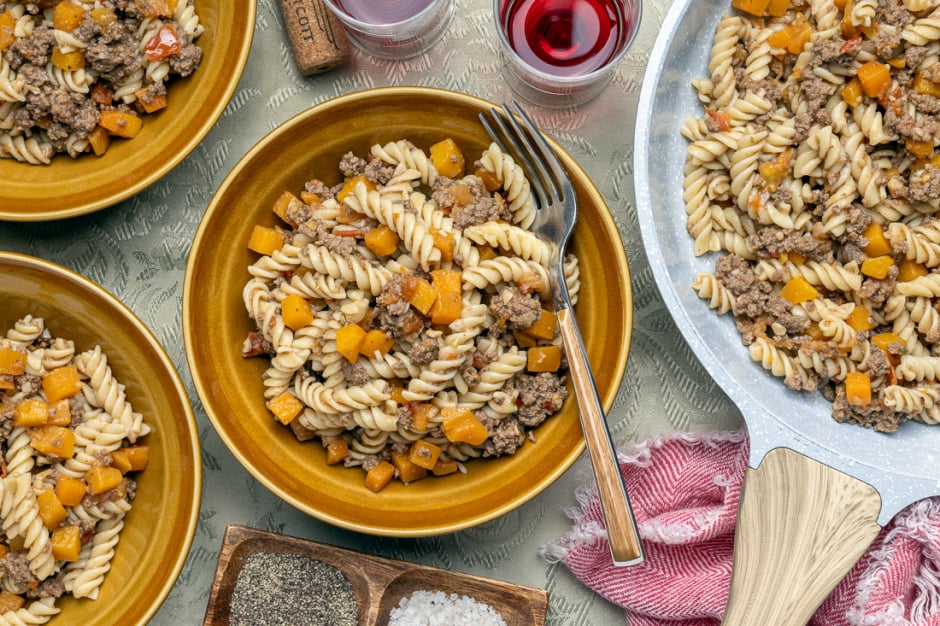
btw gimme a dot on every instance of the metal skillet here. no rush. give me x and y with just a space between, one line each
821 490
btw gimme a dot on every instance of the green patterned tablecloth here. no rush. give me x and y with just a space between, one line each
138 251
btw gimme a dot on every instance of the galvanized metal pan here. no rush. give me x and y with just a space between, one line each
821 489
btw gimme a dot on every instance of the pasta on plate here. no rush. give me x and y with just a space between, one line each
814 175
71 440
75 73
406 312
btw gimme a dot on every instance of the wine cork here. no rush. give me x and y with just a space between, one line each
317 39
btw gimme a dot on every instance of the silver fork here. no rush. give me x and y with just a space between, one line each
517 135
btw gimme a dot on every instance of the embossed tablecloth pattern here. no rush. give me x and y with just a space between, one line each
138 251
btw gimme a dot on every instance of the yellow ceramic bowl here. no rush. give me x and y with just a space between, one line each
215 322
68 187
159 528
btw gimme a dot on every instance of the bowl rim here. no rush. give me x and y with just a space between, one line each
384 94
66 275
238 63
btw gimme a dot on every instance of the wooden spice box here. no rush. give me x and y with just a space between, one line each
379 583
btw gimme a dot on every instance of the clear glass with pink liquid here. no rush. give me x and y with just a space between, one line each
393 29
563 52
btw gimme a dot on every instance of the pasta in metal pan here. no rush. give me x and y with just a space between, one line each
813 175
406 312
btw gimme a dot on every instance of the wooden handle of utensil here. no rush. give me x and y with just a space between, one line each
801 526
622 534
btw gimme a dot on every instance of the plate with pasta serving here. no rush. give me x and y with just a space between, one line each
102 475
368 318
99 100
791 227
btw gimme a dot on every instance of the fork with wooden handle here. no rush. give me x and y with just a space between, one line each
512 128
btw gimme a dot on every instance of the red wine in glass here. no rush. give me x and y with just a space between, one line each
565 37
381 12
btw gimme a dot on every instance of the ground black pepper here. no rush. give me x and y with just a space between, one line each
281 589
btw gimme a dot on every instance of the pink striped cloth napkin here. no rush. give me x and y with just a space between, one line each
684 489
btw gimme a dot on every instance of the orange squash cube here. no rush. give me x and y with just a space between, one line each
336 451
878 244
422 415
418 292
120 460
150 103
490 179
265 240
460 425
544 327
860 318
543 359
852 92
60 414
7 30
67 61
70 490
858 389
284 202
66 543
121 123
753 7
296 312
875 78
61 383
443 468
29 413
777 8
909 270
445 242
447 158
798 290
100 140
349 185
448 304
50 509
285 407
53 441
101 478
12 362
103 16
424 454
877 267
380 476
376 341
9 601
382 240
408 472
67 16
349 340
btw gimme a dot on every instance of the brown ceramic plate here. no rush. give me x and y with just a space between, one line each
378 583
68 187
159 528
215 321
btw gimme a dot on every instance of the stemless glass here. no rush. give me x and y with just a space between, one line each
393 29
559 53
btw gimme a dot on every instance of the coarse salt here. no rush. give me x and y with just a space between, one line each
436 608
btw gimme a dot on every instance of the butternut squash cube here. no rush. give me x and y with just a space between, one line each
100 140
852 92
777 8
29 413
408 472
877 267
349 340
349 185
285 407
878 244
543 359
422 415
858 389
121 123
61 383
443 468
7 30
382 240
148 102
336 451
448 305
380 476
424 454
875 78
70 490
460 425
154 8
12 362
860 318
376 341
67 61
754 7
139 457
418 292
490 180
284 202
103 16
67 16
447 158
101 478
53 441
50 509
798 290
9 601
925 86
265 240
544 326
920 149
445 242
66 543
296 312
120 460
60 414
909 270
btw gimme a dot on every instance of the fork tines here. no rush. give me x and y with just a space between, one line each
517 135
